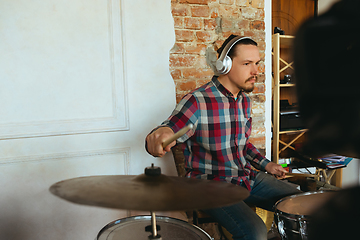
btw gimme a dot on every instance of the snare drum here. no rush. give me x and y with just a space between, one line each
293 213
134 228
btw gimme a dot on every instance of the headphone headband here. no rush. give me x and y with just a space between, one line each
229 45
224 63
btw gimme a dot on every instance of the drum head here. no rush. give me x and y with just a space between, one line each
133 228
304 203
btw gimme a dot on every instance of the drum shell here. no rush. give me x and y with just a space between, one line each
295 226
134 228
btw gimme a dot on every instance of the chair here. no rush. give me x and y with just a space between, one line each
197 217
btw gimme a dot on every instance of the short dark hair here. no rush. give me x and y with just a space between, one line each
231 53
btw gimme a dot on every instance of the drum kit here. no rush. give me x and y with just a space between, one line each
153 191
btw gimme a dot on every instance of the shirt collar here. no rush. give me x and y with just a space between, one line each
222 89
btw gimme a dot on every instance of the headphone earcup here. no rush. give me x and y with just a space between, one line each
223 67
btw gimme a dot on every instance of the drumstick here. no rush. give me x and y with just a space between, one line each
177 135
300 174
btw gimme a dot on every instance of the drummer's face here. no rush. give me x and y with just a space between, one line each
244 70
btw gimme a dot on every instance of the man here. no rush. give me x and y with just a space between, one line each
218 147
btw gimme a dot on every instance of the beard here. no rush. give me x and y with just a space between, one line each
252 86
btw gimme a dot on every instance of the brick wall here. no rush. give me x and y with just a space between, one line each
200 28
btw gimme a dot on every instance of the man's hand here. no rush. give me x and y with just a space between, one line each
155 139
275 169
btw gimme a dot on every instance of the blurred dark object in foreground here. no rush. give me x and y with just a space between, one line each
338 218
326 59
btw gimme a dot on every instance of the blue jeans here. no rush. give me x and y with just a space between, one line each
240 220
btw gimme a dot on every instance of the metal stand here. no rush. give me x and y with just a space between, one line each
154 235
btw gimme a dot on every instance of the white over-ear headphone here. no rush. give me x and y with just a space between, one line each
224 63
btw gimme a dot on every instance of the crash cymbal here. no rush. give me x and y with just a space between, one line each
149 192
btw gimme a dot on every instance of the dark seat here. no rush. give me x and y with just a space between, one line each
195 217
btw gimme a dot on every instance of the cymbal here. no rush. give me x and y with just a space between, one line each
147 192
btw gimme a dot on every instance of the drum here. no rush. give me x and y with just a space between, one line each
133 228
293 213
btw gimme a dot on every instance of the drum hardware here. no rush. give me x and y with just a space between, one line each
132 228
154 228
293 213
303 228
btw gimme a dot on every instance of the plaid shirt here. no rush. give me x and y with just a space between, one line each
218 147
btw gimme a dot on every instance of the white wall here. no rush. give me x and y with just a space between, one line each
324 5
268 77
351 173
81 85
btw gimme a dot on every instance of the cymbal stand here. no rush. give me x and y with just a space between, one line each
154 235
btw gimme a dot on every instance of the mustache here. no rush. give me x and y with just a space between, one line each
251 78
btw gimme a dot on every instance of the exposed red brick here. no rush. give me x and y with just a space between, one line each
210 24
242 3
199 73
243 24
256 35
229 11
184 35
258 98
178 48
195 1
230 2
182 60
180 10
201 82
253 13
218 44
261 67
227 23
257 141
261 45
175 73
178 22
200 11
261 78
187 86
260 14
204 36
250 33
193 23
259 88
226 34
258 3
214 12
258 25
195 48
